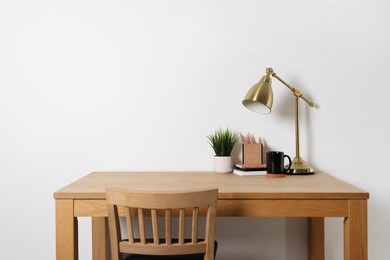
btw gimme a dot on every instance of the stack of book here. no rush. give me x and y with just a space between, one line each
250 169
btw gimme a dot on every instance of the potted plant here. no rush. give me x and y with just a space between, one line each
222 142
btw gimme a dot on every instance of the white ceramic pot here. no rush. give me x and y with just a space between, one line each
223 164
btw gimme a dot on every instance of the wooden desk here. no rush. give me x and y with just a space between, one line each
313 196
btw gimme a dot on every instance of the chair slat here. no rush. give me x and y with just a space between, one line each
115 232
129 224
210 227
181 226
156 239
168 226
141 222
195 218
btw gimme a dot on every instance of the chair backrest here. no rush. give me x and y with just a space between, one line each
138 205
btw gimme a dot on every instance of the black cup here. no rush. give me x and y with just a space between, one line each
275 162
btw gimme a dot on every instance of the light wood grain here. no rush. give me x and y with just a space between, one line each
195 223
129 224
153 201
155 227
315 196
231 186
316 239
239 208
100 236
355 231
66 231
168 226
115 233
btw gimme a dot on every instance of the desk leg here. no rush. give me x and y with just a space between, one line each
100 239
316 239
66 231
355 231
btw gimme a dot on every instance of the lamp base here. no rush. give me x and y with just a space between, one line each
299 167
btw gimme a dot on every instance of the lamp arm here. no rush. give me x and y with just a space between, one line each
295 91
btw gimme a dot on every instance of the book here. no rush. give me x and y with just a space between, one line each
251 167
250 172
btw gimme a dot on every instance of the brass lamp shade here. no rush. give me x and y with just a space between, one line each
259 98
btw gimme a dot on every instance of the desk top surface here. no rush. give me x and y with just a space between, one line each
231 186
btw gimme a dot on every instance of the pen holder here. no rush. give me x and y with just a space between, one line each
252 154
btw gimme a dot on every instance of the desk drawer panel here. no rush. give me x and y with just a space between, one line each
98 208
239 208
283 208
87 208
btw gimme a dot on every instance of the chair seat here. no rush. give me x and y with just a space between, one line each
167 257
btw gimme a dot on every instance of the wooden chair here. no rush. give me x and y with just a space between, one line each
138 205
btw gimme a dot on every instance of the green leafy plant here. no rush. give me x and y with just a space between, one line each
223 141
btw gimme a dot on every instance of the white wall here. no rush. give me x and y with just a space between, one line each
137 85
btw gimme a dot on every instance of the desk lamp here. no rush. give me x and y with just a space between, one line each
259 99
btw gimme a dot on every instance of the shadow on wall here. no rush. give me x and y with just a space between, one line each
254 238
